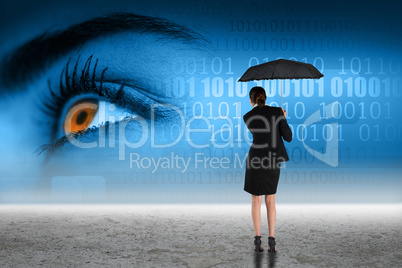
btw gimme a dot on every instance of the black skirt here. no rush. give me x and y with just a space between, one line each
262 178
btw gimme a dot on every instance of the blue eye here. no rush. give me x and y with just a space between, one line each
82 101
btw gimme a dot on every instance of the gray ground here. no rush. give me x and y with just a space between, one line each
198 236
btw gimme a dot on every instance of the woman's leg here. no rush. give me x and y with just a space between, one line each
271 213
256 201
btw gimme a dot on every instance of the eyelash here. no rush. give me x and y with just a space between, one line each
63 140
72 86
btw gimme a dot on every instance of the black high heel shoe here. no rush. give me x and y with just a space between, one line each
272 244
257 244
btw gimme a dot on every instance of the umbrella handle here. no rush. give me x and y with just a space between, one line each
281 93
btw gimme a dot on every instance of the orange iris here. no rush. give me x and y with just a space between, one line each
80 116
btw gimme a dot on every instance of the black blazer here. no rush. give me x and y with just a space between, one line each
268 125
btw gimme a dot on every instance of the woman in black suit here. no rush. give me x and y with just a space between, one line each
268 125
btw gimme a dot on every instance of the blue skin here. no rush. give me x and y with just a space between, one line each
131 58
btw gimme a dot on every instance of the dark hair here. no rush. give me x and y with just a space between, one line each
257 95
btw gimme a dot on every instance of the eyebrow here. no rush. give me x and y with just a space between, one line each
29 60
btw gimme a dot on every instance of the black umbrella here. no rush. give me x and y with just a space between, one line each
281 69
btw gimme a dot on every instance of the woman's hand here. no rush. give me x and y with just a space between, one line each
286 114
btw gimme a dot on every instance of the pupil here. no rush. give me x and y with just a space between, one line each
82 116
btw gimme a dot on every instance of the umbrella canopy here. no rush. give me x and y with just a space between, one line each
281 69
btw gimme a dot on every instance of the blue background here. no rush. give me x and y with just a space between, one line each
355 45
